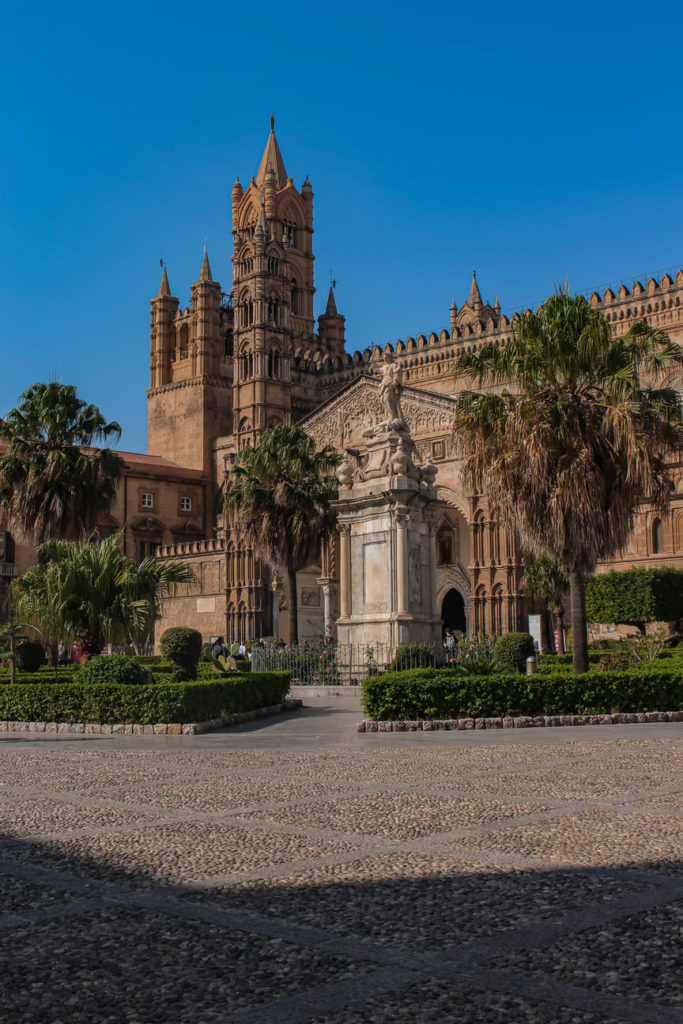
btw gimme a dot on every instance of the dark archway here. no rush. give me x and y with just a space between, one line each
453 611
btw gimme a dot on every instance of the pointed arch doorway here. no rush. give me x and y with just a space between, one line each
453 611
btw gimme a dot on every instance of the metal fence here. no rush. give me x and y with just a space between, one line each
342 664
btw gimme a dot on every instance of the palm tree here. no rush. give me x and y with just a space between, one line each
145 587
52 482
582 437
546 580
281 492
94 593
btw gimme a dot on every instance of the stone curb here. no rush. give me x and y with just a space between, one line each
159 729
543 721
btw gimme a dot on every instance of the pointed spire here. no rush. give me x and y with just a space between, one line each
272 160
474 301
205 272
262 223
331 307
496 305
164 287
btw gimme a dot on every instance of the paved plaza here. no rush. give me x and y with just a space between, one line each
292 870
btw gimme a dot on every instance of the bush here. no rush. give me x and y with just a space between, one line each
183 647
112 669
207 652
512 650
243 664
635 596
146 704
412 656
45 674
30 656
444 693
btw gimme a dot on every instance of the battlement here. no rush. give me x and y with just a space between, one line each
191 547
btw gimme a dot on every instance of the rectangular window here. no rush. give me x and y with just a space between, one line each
147 499
186 504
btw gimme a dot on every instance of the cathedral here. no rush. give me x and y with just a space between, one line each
242 358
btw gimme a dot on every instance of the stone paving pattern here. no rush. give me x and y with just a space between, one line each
297 872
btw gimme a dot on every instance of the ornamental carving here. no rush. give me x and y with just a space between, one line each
342 420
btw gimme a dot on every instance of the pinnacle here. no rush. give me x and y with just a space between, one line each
164 287
272 160
331 308
205 272
475 300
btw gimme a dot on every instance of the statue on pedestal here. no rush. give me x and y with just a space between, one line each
390 396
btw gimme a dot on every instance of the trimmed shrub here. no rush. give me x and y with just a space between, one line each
635 596
147 704
30 656
512 650
445 693
183 647
112 669
45 674
412 656
243 664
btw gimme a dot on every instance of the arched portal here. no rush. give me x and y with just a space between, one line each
453 611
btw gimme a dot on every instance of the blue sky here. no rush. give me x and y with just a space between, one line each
529 140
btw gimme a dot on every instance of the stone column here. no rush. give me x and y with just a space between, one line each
327 610
345 570
401 563
431 521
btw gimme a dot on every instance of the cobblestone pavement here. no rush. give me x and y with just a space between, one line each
294 872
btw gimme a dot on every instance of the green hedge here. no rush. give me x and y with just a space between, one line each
635 596
512 650
45 674
445 693
146 704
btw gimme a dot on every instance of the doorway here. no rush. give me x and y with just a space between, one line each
453 611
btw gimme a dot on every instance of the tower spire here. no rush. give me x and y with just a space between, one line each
164 287
272 160
205 272
475 300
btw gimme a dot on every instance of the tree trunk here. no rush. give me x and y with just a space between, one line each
559 625
293 610
91 643
577 592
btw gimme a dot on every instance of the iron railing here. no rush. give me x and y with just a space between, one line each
341 664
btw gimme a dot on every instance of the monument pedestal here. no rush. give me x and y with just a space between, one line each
387 511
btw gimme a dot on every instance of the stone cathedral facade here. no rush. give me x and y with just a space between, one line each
245 356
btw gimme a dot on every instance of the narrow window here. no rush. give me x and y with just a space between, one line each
186 504
147 499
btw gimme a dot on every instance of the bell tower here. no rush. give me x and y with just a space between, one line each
272 292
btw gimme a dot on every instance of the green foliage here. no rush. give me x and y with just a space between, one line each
114 669
243 664
54 482
475 654
146 704
46 674
635 596
182 646
207 652
444 693
546 580
30 656
412 656
512 650
282 490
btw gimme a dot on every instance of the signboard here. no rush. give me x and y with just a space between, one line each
535 630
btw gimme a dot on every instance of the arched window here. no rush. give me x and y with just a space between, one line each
296 298
657 537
